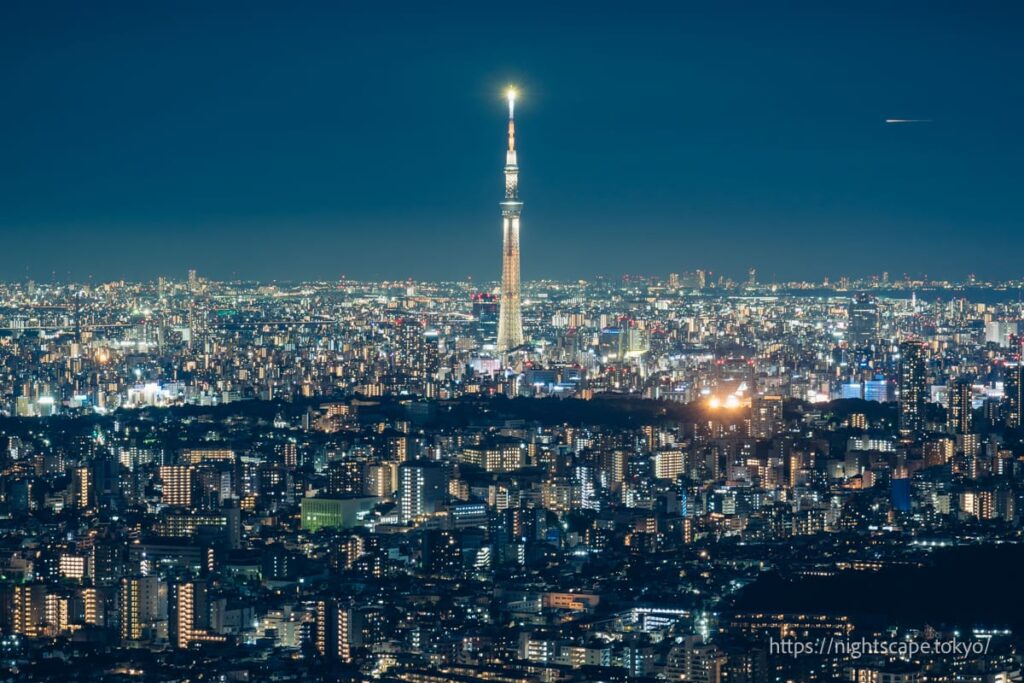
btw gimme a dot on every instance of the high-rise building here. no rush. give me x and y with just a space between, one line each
1013 394
345 478
765 417
381 479
188 614
421 488
83 487
141 601
878 389
485 312
182 612
668 463
441 553
28 609
912 387
177 485
959 418
620 343
333 630
862 312
290 454
1000 332
510 319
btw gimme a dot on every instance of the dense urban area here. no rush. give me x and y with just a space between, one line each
240 481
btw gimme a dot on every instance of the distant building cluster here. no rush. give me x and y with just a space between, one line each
350 481
68 348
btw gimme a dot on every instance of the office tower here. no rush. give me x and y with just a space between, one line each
959 418
140 599
333 630
913 391
622 343
485 312
510 320
765 417
1000 332
878 389
177 485
421 487
862 312
1012 393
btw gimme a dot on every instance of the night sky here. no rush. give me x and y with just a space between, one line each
313 140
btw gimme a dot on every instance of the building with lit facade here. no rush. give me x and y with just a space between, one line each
913 388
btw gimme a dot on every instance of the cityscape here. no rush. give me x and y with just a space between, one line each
712 474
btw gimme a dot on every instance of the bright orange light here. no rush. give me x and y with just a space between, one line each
732 402
714 403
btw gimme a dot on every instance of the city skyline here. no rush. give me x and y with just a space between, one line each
260 151
283 400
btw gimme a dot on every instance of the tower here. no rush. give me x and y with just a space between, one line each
510 319
1013 392
959 418
863 316
912 388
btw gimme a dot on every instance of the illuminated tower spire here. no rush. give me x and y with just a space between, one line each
510 319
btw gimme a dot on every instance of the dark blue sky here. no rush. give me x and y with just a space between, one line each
291 140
